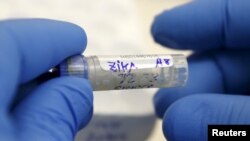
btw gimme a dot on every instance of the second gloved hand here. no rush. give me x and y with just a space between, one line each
217 91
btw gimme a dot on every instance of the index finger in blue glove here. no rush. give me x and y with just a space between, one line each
32 46
204 24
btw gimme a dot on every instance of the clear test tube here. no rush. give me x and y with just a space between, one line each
128 71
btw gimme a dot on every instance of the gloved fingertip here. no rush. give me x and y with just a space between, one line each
81 36
158 31
160 103
196 25
184 119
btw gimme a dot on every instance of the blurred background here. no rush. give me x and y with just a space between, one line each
113 27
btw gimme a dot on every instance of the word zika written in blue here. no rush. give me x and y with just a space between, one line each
123 66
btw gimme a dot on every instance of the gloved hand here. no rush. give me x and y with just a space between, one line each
217 92
54 110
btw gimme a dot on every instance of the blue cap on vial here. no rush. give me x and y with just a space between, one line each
74 66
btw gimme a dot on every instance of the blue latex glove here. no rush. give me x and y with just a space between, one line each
218 89
58 108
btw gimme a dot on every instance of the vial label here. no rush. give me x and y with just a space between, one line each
130 62
135 81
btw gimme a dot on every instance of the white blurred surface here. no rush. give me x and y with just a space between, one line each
113 27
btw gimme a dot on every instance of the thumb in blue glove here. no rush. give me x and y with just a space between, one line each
56 109
218 87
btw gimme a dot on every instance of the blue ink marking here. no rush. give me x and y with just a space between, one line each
123 77
128 81
124 66
121 66
147 77
132 65
129 77
118 65
155 76
159 61
166 61
112 66
132 79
